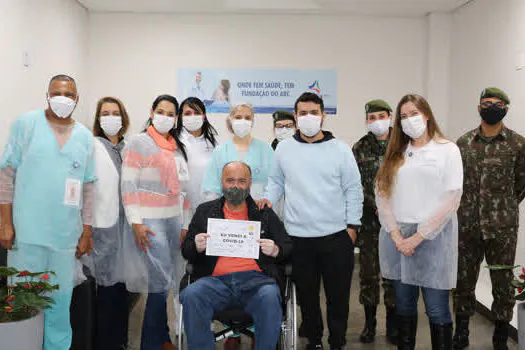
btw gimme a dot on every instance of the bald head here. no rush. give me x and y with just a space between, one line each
236 174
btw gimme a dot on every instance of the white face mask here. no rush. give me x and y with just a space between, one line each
284 133
379 127
241 127
163 123
414 127
192 122
111 124
310 125
62 106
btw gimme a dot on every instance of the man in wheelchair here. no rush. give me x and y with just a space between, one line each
226 282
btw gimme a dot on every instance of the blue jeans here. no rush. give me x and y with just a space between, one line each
257 293
436 302
155 330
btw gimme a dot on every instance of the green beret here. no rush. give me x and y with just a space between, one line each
282 115
377 106
496 93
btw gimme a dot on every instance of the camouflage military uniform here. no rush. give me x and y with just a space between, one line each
494 185
369 153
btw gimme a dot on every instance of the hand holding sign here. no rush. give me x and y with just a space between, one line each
200 241
268 247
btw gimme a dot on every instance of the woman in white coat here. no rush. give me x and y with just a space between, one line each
109 223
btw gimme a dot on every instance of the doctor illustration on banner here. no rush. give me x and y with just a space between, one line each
197 90
46 197
243 147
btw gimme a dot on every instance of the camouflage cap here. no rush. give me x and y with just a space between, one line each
377 106
495 92
282 115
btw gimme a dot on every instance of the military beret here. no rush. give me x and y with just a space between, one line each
377 106
495 92
282 115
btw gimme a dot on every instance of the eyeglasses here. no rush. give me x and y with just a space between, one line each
490 104
282 126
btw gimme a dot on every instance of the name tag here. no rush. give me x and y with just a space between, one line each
182 170
73 193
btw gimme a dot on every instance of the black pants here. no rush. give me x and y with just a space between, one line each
332 258
112 317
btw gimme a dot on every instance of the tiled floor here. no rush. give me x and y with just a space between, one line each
480 328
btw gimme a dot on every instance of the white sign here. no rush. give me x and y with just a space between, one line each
233 238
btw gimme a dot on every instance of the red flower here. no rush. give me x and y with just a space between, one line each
8 308
45 277
40 286
10 298
520 290
27 286
25 273
523 269
522 276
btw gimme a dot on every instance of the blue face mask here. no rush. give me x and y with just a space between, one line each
235 195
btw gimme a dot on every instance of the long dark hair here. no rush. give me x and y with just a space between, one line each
208 130
172 132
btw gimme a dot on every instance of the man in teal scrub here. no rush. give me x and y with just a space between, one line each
46 192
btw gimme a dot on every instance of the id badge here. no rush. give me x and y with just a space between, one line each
73 192
182 170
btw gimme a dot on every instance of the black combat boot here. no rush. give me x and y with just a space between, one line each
407 328
501 334
369 332
391 325
462 333
441 335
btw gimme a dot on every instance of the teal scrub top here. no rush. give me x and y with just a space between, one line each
259 157
41 213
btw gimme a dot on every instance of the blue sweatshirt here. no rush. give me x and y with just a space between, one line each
321 184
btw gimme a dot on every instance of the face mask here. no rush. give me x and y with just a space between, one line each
242 127
235 195
284 133
192 122
162 123
62 106
309 124
111 124
379 127
493 115
414 127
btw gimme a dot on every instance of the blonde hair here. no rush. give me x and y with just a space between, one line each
399 141
233 109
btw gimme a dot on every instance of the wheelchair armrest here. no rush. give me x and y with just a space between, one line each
288 270
189 269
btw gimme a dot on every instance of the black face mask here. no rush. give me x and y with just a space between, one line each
493 115
235 195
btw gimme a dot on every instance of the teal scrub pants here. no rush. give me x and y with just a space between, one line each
35 258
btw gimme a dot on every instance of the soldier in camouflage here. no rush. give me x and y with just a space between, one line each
369 152
494 185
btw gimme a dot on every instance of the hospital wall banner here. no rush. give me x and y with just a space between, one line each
267 90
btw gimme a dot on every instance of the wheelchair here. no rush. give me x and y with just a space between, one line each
237 321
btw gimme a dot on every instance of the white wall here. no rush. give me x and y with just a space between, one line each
487 37
135 57
55 34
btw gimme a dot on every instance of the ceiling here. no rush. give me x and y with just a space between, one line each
328 7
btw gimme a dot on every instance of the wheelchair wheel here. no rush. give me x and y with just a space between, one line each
288 339
182 344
